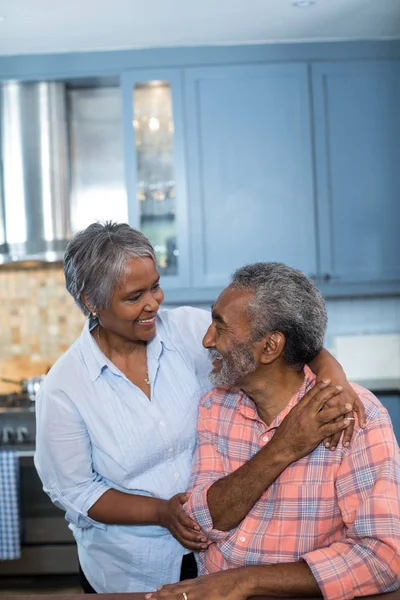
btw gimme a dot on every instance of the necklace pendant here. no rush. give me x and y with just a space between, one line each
147 380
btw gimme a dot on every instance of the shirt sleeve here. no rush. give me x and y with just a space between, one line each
366 560
63 458
207 468
188 326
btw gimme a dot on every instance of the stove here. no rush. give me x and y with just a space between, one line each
17 422
47 544
15 400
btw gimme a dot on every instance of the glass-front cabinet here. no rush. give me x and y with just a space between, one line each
155 155
96 154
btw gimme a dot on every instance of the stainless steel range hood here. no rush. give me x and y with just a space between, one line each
34 216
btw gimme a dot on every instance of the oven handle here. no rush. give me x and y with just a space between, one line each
25 453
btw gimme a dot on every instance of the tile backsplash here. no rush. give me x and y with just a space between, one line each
38 321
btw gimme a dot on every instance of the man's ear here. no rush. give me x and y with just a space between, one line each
273 347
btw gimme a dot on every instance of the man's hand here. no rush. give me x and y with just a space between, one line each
226 585
172 516
317 416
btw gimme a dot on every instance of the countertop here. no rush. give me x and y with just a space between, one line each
388 385
390 596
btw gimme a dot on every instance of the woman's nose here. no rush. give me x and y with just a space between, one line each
151 303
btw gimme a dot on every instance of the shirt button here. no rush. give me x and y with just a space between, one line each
265 438
242 538
162 424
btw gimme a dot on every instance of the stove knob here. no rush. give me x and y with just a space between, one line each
7 435
21 434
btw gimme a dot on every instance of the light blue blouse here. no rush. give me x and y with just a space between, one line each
96 430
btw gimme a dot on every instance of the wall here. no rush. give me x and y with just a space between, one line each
38 321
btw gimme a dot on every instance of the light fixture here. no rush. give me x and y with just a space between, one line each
303 3
154 124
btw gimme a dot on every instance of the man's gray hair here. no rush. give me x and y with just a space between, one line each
95 260
285 300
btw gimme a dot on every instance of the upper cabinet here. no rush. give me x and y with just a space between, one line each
97 179
357 142
249 169
289 162
155 167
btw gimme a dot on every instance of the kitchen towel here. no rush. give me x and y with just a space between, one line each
10 538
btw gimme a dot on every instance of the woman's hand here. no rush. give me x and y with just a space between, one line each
347 396
327 369
172 516
310 422
224 584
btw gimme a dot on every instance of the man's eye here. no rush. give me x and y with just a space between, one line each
156 286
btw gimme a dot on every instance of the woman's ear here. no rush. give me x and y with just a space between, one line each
274 345
86 303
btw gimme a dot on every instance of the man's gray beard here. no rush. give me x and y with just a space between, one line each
235 366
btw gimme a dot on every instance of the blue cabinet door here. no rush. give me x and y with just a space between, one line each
250 169
357 132
155 163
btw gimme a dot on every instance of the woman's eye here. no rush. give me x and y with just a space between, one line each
135 299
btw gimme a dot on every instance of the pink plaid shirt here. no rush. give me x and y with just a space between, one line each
338 511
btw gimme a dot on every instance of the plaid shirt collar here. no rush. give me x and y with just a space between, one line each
248 409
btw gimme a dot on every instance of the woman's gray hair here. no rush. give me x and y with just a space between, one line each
95 260
285 300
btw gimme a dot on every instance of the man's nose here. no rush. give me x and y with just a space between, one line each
209 338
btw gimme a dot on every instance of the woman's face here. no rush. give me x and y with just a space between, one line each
136 300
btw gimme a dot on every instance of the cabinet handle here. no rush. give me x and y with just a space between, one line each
321 278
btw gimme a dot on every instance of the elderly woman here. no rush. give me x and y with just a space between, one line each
116 416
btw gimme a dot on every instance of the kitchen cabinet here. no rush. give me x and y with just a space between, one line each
357 149
97 183
156 167
290 162
249 169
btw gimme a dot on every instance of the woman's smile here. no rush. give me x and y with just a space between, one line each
147 322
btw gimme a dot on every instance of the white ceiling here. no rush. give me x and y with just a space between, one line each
36 26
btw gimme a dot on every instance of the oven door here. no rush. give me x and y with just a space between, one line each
48 546
41 521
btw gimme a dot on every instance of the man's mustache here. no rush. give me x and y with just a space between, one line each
215 354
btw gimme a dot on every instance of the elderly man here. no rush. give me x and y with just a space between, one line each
285 518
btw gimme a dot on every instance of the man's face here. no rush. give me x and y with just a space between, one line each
228 338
